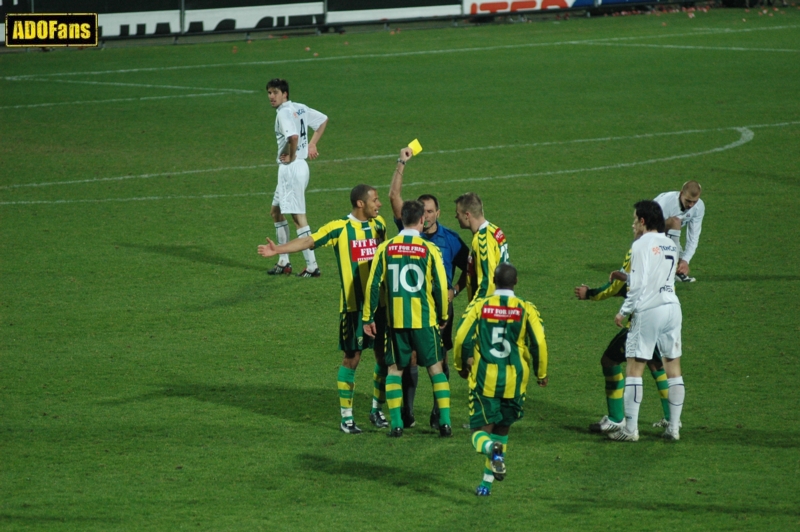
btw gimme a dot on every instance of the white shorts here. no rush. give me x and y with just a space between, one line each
659 326
290 194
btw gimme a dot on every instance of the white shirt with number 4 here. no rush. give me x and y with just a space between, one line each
651 282
295 119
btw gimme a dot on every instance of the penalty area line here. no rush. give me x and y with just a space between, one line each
473 49
115 100
746 135
389 156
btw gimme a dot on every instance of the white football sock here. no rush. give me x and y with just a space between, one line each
677 393
308 254
282 230
632 398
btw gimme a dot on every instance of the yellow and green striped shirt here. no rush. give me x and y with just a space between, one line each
354 243
612 288
415 280
505 338
489 249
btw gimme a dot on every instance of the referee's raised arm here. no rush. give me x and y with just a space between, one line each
396 188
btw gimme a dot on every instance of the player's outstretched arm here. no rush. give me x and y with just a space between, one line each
270 249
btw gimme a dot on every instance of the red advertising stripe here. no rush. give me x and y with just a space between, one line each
490 312
407 250
519 6
494 7
363 250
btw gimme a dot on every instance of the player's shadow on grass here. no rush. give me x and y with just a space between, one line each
579 505
539 412
702 437
778 439
36 520
319 405
603 267
417 480
194 254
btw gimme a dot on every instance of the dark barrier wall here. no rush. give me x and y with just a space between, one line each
121 6
121 18
356 5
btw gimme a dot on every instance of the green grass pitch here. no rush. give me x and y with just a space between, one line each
153 377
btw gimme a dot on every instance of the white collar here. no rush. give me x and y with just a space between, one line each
484 225
409 232
503 292
356 219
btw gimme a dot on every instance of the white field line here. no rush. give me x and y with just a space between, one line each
119 84
608 41
114 100
389 156
687 47
404 54
745 136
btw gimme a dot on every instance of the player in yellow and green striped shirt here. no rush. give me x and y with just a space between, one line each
614 356
411 271
354 239
499 341
489 246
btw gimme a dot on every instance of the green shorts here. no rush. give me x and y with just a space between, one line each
494 410
426 342
351 332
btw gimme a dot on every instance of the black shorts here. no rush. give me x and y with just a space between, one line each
447 332
616 349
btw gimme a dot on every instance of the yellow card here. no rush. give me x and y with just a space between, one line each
415 146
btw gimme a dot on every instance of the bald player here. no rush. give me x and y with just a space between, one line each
681 208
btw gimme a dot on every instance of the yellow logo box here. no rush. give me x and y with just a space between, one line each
51 29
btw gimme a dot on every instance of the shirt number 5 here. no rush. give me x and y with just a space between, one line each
498 340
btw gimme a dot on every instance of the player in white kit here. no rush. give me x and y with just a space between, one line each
291 131
684 208
656 319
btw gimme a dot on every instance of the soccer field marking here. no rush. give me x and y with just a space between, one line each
689 47
722 31
606 41
114 100
745 136
144 85
389 156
